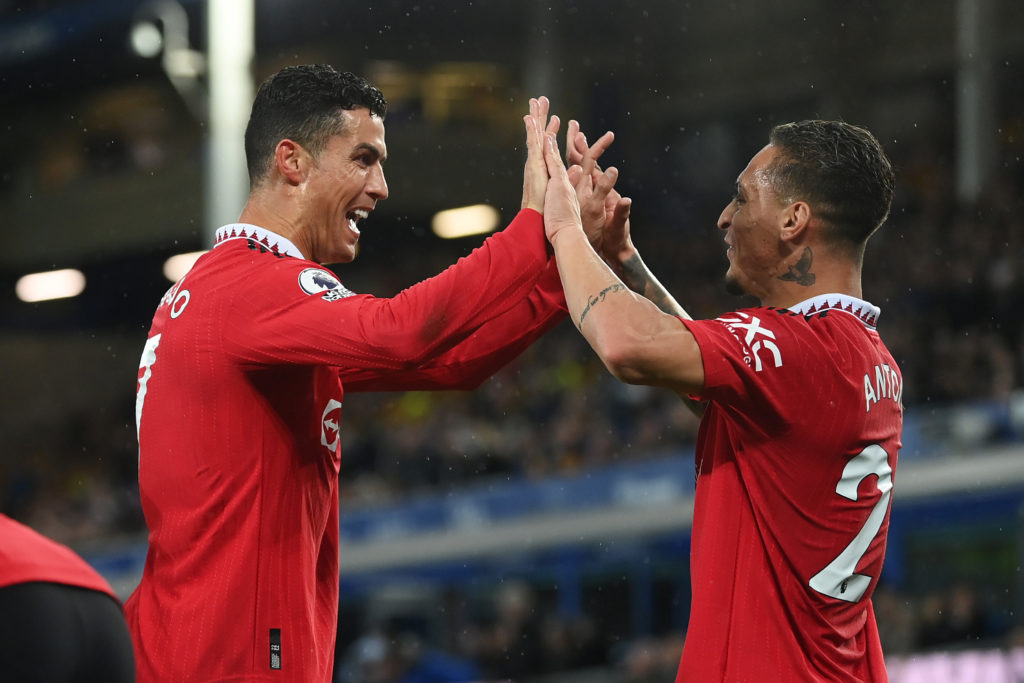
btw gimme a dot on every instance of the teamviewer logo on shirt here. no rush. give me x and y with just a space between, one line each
319 281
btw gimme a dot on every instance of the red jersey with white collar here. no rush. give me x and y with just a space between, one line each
795 461
240 394
26 556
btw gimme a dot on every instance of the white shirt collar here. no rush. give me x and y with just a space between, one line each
271 240
866 312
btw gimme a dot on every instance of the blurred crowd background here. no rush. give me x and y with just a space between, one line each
104 172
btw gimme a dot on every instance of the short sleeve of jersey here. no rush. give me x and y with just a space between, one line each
752 360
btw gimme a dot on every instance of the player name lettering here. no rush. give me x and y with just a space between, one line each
884 382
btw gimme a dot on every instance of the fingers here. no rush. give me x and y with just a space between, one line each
556 169
606 180
617 231
543 107
553 125
539 110
575 175
573 154
535 175
534 137
620 214
561 208
603 143
604 183
590 155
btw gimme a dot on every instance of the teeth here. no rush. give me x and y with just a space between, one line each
357 215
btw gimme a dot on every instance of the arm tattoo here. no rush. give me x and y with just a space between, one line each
635 275
801 272
598 299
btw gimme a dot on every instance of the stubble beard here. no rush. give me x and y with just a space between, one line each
732 286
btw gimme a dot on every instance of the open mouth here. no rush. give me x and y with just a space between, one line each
354 217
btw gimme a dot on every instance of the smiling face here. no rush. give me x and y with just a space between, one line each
752 222
344 185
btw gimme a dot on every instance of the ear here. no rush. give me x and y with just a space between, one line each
291 160
795 220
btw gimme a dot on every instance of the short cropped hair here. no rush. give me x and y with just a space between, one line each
303 103
839 169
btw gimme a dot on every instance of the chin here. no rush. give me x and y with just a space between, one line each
345 254
733 286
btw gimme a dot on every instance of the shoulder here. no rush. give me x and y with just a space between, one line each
248 263
765 337
746 327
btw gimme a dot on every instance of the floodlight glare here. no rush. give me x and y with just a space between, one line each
147 40
465 221
53 284
176 266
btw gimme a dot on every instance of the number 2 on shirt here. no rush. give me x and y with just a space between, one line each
839 579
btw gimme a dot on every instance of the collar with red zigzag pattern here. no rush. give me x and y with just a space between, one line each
271 240
866 312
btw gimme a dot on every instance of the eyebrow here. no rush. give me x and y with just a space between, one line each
372 149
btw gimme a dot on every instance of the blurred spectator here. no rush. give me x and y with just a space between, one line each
512 646
952 617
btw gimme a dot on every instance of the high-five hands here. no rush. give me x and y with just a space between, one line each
605 212
535 173
561 208
582 195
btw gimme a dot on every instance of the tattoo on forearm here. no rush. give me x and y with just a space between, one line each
801 272
594 300
635 274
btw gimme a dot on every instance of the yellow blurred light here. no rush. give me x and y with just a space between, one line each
176 266
53 284
465 221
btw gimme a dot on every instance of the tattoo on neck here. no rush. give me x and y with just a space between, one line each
594 300
801 272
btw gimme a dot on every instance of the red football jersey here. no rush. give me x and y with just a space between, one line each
795 461
27 556
239 401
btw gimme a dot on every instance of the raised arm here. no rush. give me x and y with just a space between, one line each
638 342
424 321
489 348
497 341
605 216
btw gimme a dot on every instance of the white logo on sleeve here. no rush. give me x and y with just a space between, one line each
747 329
330 425
317 281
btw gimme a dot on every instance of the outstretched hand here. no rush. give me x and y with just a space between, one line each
605 212
535 173
561 208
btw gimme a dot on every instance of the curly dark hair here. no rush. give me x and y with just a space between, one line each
303 103
839 169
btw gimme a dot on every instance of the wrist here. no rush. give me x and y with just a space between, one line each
623 256
565 233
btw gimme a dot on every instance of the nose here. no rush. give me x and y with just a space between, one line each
725 220
377 186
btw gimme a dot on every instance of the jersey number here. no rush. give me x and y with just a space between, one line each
839 579
145 364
